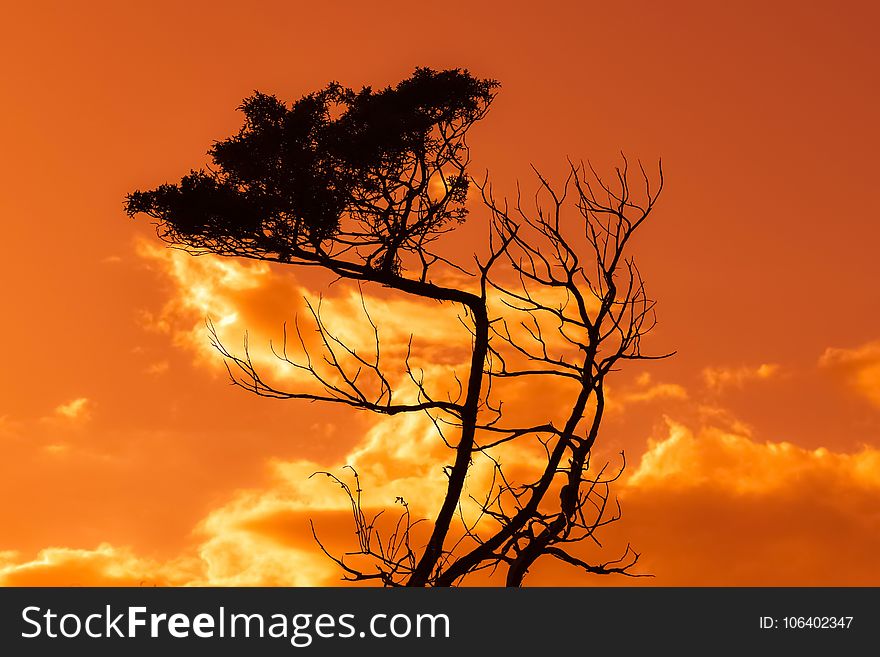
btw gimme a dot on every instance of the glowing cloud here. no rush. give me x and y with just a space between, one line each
714 507
106 565
859 368
734 462
720 378
690 487
645 390
277 315
78 408
704 506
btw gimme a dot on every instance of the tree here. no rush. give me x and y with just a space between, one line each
363 184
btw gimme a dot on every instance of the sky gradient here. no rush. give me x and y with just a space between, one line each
753 454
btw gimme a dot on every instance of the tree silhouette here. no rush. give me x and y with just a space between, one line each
362 184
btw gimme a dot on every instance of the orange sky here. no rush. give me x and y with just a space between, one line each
753 454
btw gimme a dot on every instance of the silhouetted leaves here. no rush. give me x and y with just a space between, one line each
336 172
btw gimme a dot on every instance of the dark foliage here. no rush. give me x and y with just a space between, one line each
338 171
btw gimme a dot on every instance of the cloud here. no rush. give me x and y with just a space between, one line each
263 536
105 565
720 378
735 462
75 409
233 293
646 390
858 368
276 315
242 553
705 505
709 506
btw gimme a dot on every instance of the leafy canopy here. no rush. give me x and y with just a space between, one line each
366 174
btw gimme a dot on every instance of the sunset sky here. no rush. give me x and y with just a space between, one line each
753 454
